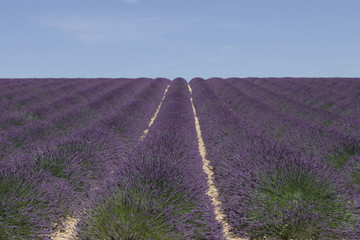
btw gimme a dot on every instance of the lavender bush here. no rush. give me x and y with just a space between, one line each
338 95
329 144
31 201
159 190
268 189
284 152
60 170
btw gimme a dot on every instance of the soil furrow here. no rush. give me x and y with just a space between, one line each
155 115
212 191
69 230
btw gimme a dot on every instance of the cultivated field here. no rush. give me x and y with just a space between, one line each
237 158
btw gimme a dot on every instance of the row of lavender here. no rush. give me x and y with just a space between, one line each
59 116
315 140
159 190
299 109
278 175
304 126
337 95
52 161
284 169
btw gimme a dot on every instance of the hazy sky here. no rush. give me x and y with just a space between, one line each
179 38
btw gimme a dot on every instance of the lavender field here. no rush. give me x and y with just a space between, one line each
236 158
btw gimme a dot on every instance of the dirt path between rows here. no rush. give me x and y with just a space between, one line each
69 224
69 230
155 115
212 191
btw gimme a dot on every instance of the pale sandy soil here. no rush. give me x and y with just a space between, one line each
212 191
155 115
69 230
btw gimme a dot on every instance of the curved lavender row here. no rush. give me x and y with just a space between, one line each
324 87
95 108
107 137
312 139
17 109
36 91
267 189
70 101
49 87
17 84
283 103
297 109
10 84
7 81
23 208
130 121
71 165
30 200
40 188
343 95
159 190
345 103
346 87
331 146
96 92
48 92
38 132
36 111
12 95
60 90
301 110
75 96
112 144
96 148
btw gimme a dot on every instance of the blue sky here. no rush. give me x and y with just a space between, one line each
179 38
